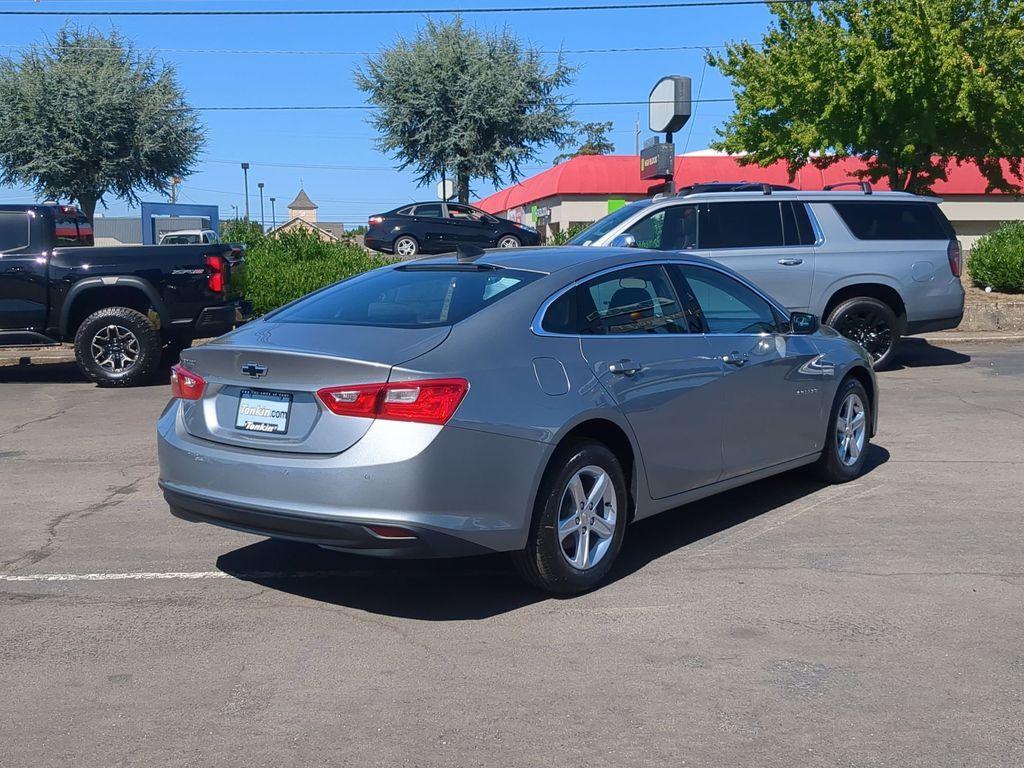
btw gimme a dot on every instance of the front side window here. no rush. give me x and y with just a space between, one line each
13 231
728 305
465 213
741 225
602 227
670 229
432 211
407 297
638 299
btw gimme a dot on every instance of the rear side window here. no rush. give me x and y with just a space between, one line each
13 231
420 297
430 211
796 224
895 221
741 225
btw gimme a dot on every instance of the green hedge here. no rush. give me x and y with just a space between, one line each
997 260
284 267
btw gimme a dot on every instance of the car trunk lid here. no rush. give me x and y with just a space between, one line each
262 380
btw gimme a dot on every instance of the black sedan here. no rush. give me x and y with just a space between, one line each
437 227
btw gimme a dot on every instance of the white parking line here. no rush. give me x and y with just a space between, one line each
169 576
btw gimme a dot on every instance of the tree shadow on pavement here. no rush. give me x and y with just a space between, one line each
481 587
920 353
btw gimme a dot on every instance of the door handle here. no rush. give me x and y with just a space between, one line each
625 367
735 358
790 262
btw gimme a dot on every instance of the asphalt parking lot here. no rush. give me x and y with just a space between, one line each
878 623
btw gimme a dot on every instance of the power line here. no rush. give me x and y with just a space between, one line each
416 11
341 107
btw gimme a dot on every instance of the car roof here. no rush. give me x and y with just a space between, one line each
807 196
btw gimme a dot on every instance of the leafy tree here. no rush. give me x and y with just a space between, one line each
468 104
595 141
86 115
909 86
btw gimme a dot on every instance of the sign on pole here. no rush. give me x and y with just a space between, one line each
669 106
445 189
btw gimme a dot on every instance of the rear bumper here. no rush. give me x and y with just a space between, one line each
377 244
348 536
215 321
929 326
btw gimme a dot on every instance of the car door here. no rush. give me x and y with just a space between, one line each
770 242
640 341
429 225
771 394
466 225
23 285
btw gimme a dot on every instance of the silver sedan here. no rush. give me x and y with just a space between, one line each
533 401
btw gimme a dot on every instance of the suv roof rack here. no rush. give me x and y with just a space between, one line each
864 186
733 186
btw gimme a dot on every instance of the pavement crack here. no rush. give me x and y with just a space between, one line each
18 427
115 495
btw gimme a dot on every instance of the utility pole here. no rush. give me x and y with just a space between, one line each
235 209
273 213
263 218
245 172
175 181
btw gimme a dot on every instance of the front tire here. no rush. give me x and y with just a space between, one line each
118 347
872 324
579 521
848 435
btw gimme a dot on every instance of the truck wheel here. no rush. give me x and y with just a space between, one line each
117 347
872 324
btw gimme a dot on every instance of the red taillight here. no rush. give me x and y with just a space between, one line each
215 282
185 384
376 220
432 401
955 256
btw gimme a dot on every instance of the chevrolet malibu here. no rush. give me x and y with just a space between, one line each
532 401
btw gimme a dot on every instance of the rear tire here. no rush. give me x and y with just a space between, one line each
579 521
509 241
406 247
848 435
118 347
872 324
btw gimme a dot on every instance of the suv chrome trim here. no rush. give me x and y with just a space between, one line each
538 319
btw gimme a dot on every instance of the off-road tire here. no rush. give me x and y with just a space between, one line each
149 347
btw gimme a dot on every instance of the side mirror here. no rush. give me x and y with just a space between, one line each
625 240
803 323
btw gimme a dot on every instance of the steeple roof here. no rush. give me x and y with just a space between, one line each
302 202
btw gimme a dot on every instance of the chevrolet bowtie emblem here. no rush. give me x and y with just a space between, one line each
254 369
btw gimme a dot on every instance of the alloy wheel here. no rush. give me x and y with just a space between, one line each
851 429
869 328
405 247
586 518
508 242
115 348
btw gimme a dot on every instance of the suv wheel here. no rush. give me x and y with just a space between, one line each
406 247
872 324
578 522
117 347
848 434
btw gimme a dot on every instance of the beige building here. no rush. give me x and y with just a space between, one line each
584 189
302 214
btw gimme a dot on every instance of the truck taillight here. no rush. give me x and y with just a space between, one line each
186 385
216 282
955 256
430 401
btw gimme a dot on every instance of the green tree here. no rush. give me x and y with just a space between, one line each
86 115
595 140
909 86
466 104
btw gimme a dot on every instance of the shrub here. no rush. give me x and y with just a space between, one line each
997 260
564 236
285 267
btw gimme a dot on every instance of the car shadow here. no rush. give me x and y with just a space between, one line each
65 372
920 353
480 587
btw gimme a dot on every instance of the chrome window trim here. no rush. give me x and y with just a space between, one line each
819 234
538 319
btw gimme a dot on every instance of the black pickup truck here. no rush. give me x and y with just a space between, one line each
122 306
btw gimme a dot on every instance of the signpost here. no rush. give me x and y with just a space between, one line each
445 189
669 108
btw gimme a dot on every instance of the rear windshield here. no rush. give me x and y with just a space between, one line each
73 231
409 297
602 227
895 221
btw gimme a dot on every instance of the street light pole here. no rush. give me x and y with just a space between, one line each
235 208
245 171
263 218
273 214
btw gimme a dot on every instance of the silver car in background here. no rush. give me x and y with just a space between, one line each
532 401
873 265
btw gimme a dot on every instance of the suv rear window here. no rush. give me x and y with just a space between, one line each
895 221
424 296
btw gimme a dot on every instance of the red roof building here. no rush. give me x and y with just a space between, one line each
585 188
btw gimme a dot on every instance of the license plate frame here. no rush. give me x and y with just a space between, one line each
272 423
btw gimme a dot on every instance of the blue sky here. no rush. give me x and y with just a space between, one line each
285 147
